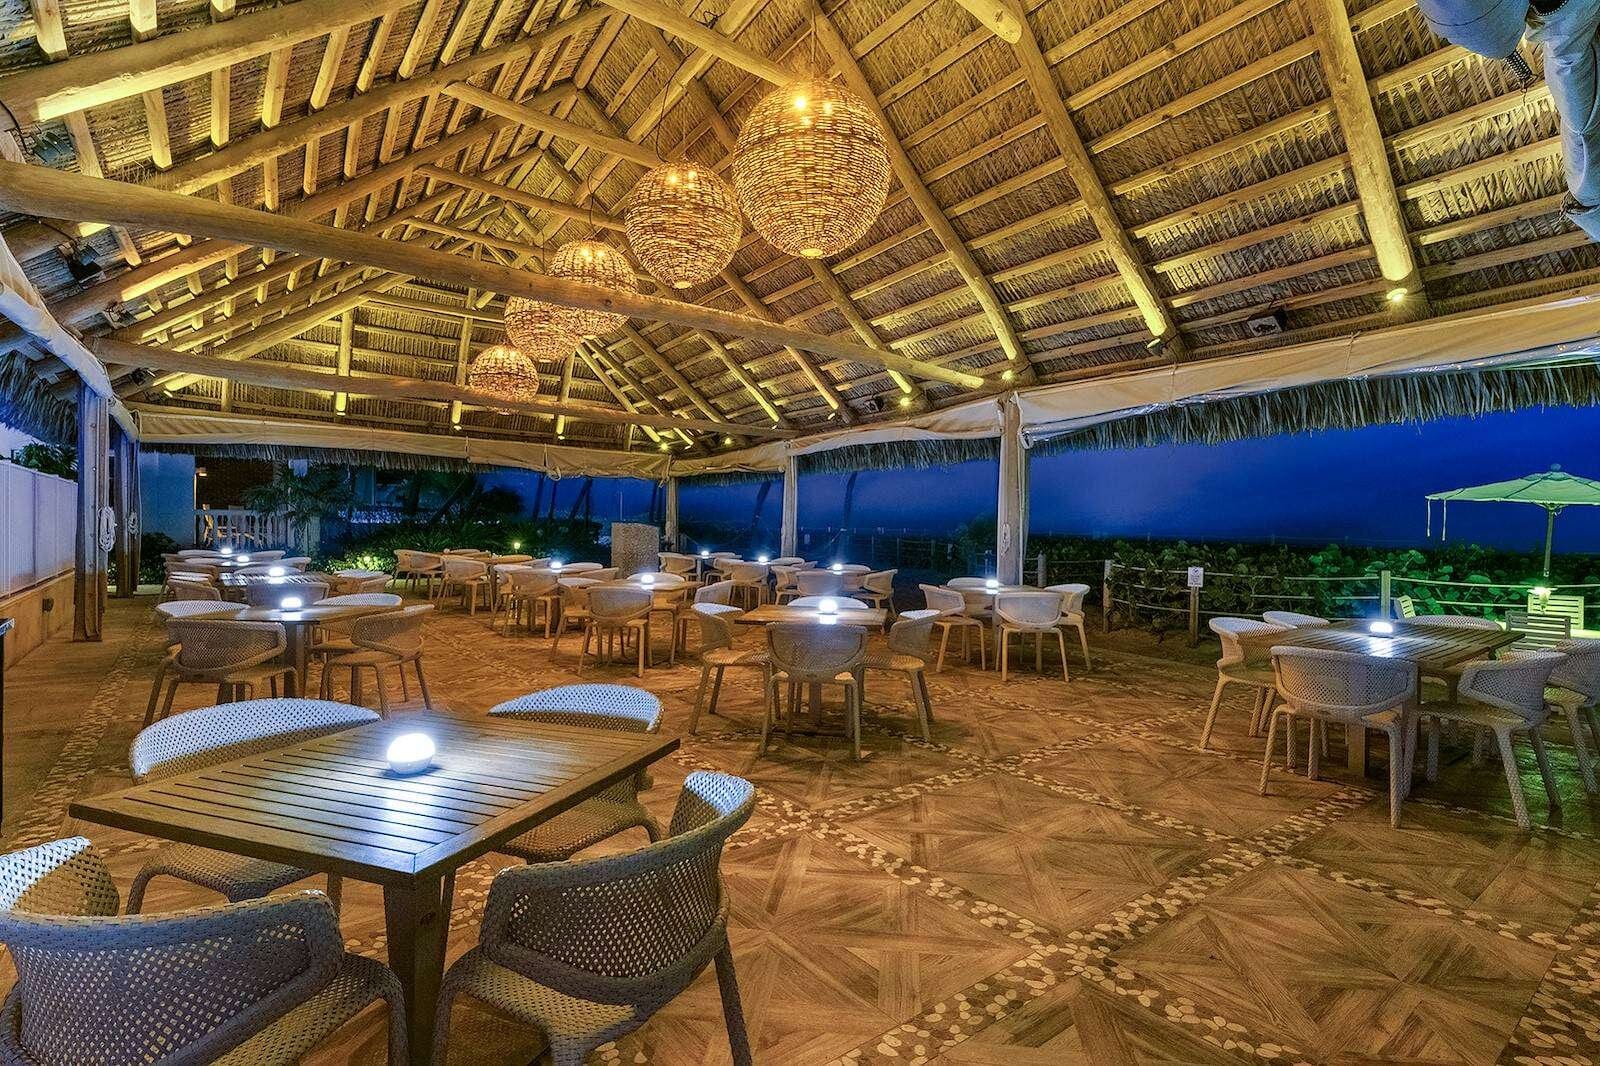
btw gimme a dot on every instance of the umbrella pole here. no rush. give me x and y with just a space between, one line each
1549 536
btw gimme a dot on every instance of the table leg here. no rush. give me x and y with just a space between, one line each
417 919
1355 748
814 698
296 638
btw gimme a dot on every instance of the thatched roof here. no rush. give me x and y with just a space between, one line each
1209 125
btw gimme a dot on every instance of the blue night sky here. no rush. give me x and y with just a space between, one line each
1357 486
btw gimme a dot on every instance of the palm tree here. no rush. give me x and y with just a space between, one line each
303 500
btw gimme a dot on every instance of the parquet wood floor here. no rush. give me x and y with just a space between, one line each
1059 878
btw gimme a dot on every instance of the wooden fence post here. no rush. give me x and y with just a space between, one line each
1105 597
1194 617
1385 586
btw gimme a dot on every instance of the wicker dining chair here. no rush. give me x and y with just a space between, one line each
530 594
182 609
720 592
617 612
411 565
1505 696
815 655
274 555
910 639
235 656
573 606
1450 676
877 588
952 608
256 983
783 586
393 638
749 582
1234 668
718 632
349 582
1365 691
206 737
619 708
469 576
1292 619
1038 613
1072 596
332 637
676 563
1574 690
588 950
818 583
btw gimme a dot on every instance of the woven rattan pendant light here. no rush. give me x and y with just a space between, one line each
811 168
683 224
540 330
593 263
505 373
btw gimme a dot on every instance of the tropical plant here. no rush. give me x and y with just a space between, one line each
58 459
303 499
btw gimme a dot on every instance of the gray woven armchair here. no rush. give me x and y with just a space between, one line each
258 983
197 739
588 951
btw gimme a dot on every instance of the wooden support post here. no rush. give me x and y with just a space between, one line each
1011 525
670 516
125 501
89 574
789 529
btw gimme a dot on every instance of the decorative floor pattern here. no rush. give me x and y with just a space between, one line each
1059 877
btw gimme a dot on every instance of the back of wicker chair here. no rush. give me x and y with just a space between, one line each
193 590
196 739
1581 672
533 582
1072 596
1028 610
181 988
1229 630
819 582
1514 682
631 930
716 592
615 604
1342 686
192 608
943 600
617 707
1454 621
268 556
913 633
1293 619
399 633
879 582
816 654
217 646
717 628
464 568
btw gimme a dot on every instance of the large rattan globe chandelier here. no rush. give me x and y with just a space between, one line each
593 263
540 330
812 168
505 373
683 224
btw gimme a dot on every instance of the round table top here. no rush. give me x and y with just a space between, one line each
310 615
847 568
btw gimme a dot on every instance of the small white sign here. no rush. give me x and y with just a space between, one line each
1197 577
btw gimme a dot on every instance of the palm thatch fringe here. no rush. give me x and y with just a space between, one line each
342 456
901 455
731 477
1397 400
26 403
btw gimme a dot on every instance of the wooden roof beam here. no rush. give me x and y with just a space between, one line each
38 94
288 376
547 123
42 191
1369 158
1080 167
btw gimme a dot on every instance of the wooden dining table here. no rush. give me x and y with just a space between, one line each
332 805
1434 649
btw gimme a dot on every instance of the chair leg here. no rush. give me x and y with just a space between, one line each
172 692
1061 642
422 683
944 640
1580 748
700 697
852 703
644 644
136 890
1508 756
383 698
1314 747
1211 716
1004 649
335 891
1431 770
768 710
1397 773
919 700
155 693
1288 732
405 687
927 696
1536 738
716 691
732 1011
1083 638
1266 756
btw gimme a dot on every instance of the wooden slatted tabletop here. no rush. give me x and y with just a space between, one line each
1432 648
332 805
771 613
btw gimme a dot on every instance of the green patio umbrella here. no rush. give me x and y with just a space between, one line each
1554 490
